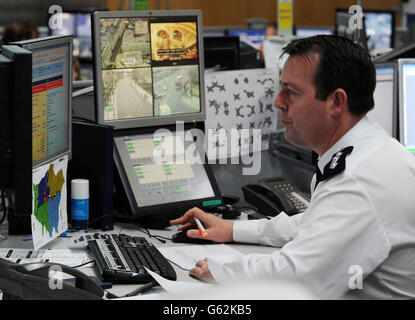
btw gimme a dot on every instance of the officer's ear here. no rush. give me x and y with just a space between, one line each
339 103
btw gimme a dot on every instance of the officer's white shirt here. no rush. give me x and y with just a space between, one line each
361 220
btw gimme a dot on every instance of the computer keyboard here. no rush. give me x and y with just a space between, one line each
121 258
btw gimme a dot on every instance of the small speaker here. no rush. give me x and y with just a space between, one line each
92 147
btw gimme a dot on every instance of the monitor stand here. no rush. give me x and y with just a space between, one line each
154 222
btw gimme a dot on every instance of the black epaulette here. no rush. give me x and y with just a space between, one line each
336 165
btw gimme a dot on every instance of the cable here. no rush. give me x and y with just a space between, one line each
4 208
83 264
99 218
135 292
147 232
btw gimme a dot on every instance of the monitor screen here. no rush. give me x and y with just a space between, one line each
51 97
386 97
253 37
407 103
305 32
380 26
77 24
159 174
148 67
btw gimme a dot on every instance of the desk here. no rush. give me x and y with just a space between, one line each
230 179
129 229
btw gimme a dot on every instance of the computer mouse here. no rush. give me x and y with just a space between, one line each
181 237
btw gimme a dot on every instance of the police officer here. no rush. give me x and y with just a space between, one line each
361 216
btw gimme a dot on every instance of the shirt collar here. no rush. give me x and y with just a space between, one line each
349 139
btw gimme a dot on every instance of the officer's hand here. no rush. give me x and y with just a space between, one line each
217 229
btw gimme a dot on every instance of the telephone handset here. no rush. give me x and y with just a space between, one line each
33 281
273 195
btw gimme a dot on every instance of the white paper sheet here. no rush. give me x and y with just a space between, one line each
186 256
49 206
67 257
178 287
236 101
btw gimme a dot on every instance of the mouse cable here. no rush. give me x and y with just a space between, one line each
83 264
147 232
135 292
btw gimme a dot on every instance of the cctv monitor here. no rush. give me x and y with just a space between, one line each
385 111
406 71
221 52
37 118
343 29
162 173
310 31
380 29
148 67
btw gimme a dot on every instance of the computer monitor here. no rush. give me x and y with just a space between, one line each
385 111
16 135
148 67
149 75
51 96
40 119
406 69
380 29
221 52
153 190
309 31
342 28
78 24
253 37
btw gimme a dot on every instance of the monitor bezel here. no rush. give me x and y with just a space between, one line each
401 62
395 111
168 210
147 121
40 43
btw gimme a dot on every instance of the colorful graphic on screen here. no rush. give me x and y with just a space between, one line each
173 41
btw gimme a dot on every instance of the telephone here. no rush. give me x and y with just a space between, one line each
272 195
31 281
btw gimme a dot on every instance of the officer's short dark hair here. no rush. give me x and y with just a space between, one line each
343 64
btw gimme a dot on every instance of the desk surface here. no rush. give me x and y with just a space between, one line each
129 229
230 180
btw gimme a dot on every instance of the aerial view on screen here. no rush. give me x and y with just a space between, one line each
174 41
176 90
125 43
127 93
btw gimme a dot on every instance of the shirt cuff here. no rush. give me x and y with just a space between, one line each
216 263
245 231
